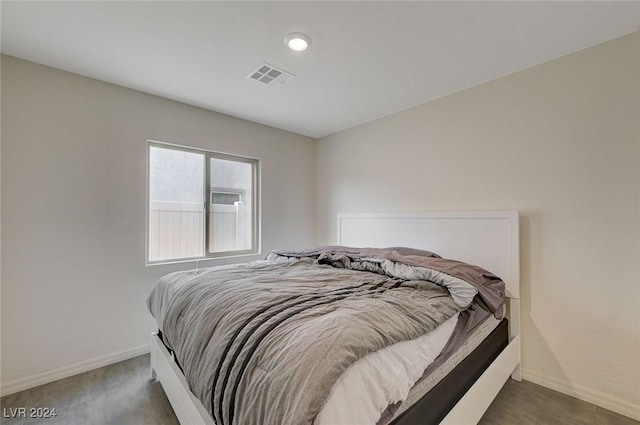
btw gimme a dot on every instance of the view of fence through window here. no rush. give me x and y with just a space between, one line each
230 205
197 201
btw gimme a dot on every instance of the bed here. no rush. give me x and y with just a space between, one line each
486 239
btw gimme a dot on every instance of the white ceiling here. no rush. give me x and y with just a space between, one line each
367 60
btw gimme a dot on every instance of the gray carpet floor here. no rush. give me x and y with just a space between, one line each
121 394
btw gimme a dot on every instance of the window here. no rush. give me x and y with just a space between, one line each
200 204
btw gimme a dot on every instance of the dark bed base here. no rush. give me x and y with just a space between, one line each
435 405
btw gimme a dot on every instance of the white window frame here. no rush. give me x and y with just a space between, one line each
255 213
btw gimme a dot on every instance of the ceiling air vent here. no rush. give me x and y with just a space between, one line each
270 75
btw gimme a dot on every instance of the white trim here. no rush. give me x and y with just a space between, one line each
589 395
31 381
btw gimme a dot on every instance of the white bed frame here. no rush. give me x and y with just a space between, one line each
489 239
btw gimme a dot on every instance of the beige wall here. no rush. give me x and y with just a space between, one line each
74 280
559 142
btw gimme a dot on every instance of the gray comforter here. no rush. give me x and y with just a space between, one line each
263 343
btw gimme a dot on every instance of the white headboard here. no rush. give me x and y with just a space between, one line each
488 239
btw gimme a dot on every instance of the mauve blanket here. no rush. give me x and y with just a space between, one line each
490 287
264 342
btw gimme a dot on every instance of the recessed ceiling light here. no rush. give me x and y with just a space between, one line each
297 41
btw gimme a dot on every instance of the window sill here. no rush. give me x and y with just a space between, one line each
217 260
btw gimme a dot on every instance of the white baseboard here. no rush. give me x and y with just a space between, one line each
22 384
598 398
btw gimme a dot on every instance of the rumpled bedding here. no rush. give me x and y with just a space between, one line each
364 392
265 342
